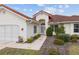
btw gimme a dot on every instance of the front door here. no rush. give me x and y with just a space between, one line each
42 28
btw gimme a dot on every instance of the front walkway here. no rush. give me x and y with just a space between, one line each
36 45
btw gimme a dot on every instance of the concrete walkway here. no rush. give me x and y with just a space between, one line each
36 45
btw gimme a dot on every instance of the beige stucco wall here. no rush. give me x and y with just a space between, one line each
43 16
10 18
30 29
69 28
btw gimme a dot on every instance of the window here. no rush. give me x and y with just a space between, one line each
35 29
56 28
76 27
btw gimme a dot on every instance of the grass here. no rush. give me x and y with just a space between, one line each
74 49
15 51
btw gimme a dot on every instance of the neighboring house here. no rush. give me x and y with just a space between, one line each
14 24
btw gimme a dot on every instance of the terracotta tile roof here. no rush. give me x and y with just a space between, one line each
15 11
60 18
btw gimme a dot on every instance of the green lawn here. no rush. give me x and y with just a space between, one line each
15 51
74 49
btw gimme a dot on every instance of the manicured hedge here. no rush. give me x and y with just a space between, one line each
64 37
74 36
74 40
49 31
20 39
59 42
36 36
30 40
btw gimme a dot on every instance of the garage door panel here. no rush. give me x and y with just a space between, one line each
9 32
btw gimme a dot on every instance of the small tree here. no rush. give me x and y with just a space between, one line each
49 31
60 30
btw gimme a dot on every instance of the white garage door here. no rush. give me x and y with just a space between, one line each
9 32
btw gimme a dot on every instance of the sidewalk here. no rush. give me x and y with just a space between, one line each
36 45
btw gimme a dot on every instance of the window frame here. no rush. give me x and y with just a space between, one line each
76 28
35 29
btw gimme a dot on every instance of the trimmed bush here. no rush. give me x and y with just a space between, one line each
20 39
36 36
74 40
59 42
74 36
53 52
64 37
60 30
49 31
30 40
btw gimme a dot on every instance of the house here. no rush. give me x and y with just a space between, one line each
14 24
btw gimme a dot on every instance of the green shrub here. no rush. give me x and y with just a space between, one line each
74 36
30 40
20 39
53 52
73 40
36 36
59 42
64 37
60 30
49 31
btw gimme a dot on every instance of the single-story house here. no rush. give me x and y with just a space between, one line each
14 24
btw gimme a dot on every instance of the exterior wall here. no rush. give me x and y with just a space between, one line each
9 18
69 28
30 29
43 16
73 29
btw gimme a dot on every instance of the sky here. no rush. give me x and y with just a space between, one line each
58 9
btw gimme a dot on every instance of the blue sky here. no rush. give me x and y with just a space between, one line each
60 9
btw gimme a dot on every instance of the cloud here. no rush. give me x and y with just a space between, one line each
30 10
50 9
53 10
16 8
41 5
24 9
60 6
61 10
67 6
64 6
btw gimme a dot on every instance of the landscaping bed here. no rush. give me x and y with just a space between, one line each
48 48
73 49
32 39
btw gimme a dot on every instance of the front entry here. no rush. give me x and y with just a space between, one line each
42 28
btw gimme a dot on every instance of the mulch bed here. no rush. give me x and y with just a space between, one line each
48 44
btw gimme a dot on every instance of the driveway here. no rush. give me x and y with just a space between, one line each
3 44
36 45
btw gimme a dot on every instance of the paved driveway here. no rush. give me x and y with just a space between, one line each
3 44
36 45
